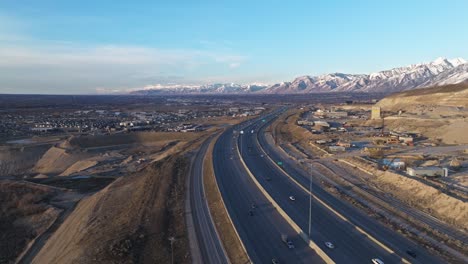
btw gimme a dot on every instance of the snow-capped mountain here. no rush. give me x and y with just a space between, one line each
217 88
438 72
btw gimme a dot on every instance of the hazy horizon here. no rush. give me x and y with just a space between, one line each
53 47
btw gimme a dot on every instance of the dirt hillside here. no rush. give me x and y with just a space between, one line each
423 110
57 160
450 95
130 221
24 215
16 160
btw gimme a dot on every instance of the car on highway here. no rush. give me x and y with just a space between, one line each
411 253
329 244
377 261
292 198
287 241
274 261
268 178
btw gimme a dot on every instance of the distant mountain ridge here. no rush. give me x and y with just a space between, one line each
441 71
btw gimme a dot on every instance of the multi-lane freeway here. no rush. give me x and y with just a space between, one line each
260 232
357 237
353 245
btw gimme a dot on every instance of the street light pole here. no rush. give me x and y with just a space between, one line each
172 239
310 201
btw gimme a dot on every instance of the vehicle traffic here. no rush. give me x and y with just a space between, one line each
287 241
377 261
329 245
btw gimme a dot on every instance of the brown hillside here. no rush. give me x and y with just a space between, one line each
449 95
25 213
129 221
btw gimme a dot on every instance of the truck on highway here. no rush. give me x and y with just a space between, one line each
287 241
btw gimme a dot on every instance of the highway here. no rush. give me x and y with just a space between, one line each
209 245
260 232
352 246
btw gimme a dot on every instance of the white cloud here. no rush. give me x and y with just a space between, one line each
34 65
87 67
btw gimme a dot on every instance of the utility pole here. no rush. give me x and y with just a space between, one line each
310 200
172 239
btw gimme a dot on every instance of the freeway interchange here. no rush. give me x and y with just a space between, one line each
239 156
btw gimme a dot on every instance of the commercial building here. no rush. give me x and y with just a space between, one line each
343 144
427 171
336 148
322 123
406 139
305 123
375 113
338 114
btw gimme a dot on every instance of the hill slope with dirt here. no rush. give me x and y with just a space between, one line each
25 213
56 160
129 221
439 113
448 96
18 160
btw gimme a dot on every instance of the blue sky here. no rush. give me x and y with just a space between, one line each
76 47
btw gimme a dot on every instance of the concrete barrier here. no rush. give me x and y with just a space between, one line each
362 231
225 209
288 219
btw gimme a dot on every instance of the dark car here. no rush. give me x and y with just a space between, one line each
251 213
411 253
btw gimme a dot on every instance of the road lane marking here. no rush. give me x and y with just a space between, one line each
288 219
328 207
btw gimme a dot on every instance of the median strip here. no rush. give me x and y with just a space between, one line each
288 219
225 227
327 206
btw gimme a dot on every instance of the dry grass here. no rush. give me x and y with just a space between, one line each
130 138
24 214
453 88
17 160
222 120
286 131
226 231
129 221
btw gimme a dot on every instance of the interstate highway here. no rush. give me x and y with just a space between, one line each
352 245
260 233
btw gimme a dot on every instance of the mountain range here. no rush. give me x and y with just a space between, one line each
441 71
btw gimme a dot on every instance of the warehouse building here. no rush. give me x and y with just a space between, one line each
427 171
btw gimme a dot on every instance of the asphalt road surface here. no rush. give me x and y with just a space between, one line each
260 232
352 246
210 246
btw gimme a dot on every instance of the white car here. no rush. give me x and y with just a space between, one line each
377 261
329 244
292 198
